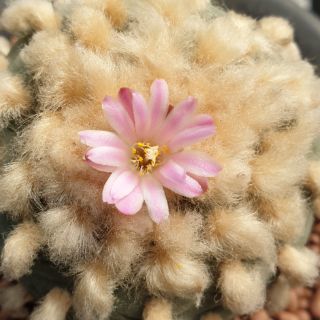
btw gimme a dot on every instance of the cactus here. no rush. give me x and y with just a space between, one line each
216 253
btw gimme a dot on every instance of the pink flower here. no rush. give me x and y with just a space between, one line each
146 152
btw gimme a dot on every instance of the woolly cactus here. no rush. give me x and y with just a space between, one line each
221 249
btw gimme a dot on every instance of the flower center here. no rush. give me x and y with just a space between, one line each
145 157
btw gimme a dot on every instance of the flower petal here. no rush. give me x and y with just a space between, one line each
99 167
197 163
203 181
202 120
119 119
106 196
107 156
155 199
141 114
189 187
172 170
98 138
132 203
190 136
124 184
125 97
177 118
159 101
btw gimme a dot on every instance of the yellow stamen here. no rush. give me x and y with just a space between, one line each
146 157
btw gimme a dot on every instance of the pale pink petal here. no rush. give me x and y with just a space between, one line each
197 163
177 118
141 114
202 120
125 97
155 199
107 156
190 136
123 185
106 196
189 187
132 203
159 101
100 167
203 181
97 138
173 170
119 119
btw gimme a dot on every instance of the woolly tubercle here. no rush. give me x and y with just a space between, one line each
56 66
54 306
175 275
277 29
16 189
212 48
69 234
278 295
5 46
116 11
93 293
93 34
240 234
123 245
238 283
20 250
173 265
178 13
285 215
15 99
157 309
300 265
34 15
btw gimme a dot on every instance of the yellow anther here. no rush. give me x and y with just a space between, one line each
146 157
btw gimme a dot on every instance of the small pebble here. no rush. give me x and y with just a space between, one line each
303 315
315 248
285 315
260 315
304 303
317 228
315 304
315 238
307 292
293 301
299 291
316 205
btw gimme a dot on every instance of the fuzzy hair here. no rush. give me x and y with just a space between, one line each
5 46
239 233
16 187
93 294
15 99
157 309
54 306
34 15
278 295
300 265
247 74
237 283
20 250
